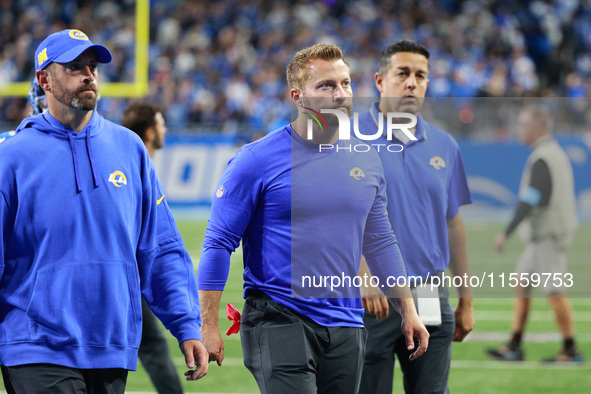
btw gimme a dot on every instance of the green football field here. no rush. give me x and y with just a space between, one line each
471 370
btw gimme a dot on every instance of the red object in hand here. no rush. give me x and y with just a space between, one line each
234 315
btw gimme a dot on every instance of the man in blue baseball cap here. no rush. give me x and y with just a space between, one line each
66 54
85 231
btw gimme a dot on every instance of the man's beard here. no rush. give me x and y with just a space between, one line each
77 100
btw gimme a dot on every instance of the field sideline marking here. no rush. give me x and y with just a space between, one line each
537 337
493 336
532 365
228 362
186 392
460 364
538 316
509 301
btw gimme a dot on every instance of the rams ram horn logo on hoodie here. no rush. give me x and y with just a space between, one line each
118 178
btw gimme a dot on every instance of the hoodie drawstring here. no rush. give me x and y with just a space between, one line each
89 150
75 157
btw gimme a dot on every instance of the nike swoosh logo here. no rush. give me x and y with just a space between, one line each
160 200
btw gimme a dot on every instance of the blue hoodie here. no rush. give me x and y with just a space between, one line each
84 228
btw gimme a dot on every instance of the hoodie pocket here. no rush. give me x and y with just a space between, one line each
95 303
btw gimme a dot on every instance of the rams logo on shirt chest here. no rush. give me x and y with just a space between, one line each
357 173
437 162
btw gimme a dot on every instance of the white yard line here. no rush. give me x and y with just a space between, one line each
533 365
228 362
460 364
492 336
509 301
538 316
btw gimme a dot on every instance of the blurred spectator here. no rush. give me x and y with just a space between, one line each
215 63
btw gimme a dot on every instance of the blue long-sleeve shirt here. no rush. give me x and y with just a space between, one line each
84 228
300 213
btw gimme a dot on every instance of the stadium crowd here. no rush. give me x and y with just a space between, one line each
223 62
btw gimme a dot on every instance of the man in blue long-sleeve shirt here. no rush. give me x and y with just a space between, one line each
300 212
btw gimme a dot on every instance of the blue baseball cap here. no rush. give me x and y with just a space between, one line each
65 46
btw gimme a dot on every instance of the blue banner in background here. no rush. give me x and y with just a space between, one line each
494 170
190 167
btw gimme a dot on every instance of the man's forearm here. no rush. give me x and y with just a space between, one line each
210 304
363 268
404 306
401 298
458 250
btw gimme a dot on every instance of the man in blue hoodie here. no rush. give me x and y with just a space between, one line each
85 229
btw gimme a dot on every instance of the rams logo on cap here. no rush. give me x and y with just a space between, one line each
437 162
78 35
118 178
42 56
